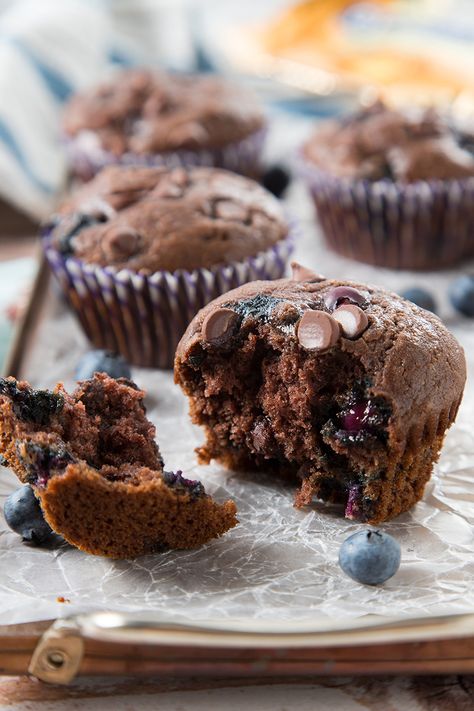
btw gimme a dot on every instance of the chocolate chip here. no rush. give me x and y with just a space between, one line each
167 188
317 330
301 273
219 326
123 239
353 320
262 436
195 359
230 210
344 295
180 176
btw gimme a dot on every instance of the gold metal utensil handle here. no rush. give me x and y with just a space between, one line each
58 654
110 643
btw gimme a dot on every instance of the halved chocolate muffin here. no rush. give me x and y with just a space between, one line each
347 387
93 463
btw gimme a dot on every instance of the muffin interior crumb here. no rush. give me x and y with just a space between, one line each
103 423
269 404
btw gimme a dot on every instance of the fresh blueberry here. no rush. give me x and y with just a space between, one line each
276 179
421 298
102 362
23 515
461 293
370 557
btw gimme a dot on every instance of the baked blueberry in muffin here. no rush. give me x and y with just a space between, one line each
93 463
347 387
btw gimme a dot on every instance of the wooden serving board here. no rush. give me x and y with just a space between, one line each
115 644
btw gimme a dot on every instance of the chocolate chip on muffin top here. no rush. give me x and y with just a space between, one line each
148 112
150 219
380 142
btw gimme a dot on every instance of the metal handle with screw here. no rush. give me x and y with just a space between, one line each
130 643
59 653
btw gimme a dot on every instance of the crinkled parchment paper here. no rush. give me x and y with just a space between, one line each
279 563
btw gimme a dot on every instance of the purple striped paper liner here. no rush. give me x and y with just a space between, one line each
143 317
428 224
86 157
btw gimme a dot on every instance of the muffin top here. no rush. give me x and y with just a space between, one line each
405 353
380 142
146 112
151 219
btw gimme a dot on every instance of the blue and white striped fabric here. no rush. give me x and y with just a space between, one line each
48 49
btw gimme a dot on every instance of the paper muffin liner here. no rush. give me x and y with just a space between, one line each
86 156
422 225
144 316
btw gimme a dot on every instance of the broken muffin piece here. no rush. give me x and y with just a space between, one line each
92 461
347 387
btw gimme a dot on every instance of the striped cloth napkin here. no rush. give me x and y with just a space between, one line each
48 49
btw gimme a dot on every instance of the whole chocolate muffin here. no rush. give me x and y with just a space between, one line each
348 387
146 117
93 463
139 251
394 188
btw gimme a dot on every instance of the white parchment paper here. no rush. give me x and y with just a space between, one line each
279 563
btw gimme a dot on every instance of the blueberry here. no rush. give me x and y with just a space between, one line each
276 179
102 362
176 480
461 293
258 307
67 227
31 405
40 460
421 298
370 557
23 515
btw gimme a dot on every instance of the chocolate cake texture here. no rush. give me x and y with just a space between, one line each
344 387
380 142
152 219
394 187
92 461
142 111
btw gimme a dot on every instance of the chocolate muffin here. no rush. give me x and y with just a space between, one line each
153 118
347 387
138 251
394 188
93 463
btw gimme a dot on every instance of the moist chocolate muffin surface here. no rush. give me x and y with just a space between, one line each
150 219
404 146
93 463
144 112
348 387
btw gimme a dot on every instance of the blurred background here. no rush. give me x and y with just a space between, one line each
306 60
